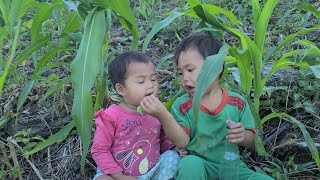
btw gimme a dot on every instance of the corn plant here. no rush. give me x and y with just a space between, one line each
250 56
95 17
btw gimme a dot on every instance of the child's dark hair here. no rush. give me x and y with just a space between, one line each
205 44
118 67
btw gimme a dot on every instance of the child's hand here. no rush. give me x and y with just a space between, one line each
152 105
236 133
182 152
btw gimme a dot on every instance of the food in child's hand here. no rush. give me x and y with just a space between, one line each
139 110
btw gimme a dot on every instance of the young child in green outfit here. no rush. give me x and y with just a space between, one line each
207 155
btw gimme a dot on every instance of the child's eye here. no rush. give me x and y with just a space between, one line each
153 78
190 70
140 82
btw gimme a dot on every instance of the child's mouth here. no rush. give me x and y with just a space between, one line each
148 94
190 89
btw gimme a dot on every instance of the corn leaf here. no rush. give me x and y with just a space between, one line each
47 57
310 8
5 11
35 77
213 10
55 88
259 146
125 14
262 23
101 85
72 24
15 9
243 60
11 57
200 12
193 3
58 137
313 149
158 26
256 11
24 93
288 40
280 64
208 73
84 69
35 45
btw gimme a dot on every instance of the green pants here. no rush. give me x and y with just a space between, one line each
195 168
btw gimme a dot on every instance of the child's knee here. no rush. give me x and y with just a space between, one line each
171 156
191 161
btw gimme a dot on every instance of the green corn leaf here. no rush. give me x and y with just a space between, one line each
243 60
262 23
5 11
101 86
213 10
55 88
125 14
11 57
203 14
24 93
256 11
15 9
280 64
313 149
306 43
83 10
259 146
160 25
310 8
256 60
31 48
47 57
200 12
35 77
193 3
209 72
58 137
72 24
84 69
169 103
288 40
255 113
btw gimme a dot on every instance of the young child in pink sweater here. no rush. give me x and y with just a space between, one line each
128 144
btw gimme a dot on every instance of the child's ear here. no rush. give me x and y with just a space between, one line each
119 89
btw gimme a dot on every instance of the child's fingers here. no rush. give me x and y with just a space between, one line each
236 131
149 99
237 125
235 136
236 141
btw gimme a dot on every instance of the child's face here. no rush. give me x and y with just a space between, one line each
189 65
141 81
